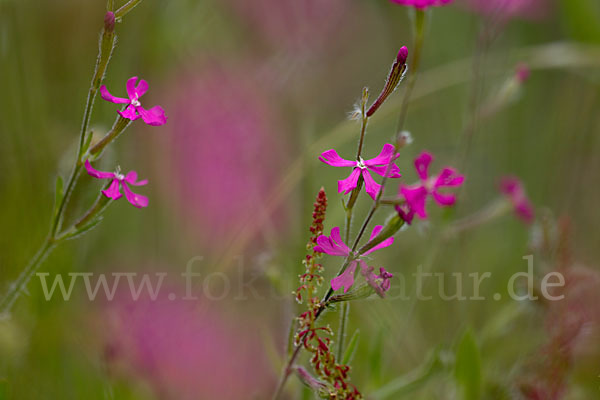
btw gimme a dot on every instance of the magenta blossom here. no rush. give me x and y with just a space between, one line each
513 189
154 116
422 3
378 165
381 283
416 195
123 181
335 246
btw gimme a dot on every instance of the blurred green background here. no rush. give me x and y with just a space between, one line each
255 91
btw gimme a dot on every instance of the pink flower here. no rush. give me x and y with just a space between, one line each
381 283
239 115
123 181
335 246
416 195
422 3
154 116
378 165
513 189
506 9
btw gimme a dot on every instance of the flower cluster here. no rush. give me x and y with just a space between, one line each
333 245
132 111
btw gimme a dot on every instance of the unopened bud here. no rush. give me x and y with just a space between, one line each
109 22
394 78
402 55
523 72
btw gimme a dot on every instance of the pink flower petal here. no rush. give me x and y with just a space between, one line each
154 116
416 197
112 192
131 178
131 87
384 156
109 97
405 212
141 88
444 199
137 200
331 157
337 238
422 164
393 173
332 245
347 185
97 174
346 279
449 177
129 113
372 188
386 243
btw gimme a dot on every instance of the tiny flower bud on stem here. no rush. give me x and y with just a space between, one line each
394 77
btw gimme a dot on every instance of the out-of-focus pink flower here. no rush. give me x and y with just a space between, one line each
522 73
226 154
186 350
335 246
378 165
154 116
120 181
297 26
515 192
416 195
506 9
422 3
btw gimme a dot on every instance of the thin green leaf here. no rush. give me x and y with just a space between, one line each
58 193
467 370
413 380
351 349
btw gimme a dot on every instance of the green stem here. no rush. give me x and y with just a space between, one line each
342 330
118 127
412 78
126 8
19 285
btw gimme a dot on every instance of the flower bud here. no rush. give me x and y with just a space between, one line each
393 80
109 22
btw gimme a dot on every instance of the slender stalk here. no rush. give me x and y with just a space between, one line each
342 329
126 8
412 78
118 127
19 285
419 36
105 49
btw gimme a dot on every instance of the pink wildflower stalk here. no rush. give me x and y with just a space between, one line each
335 246
513 189
415 196
421 4
362 167
154 116
120 181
